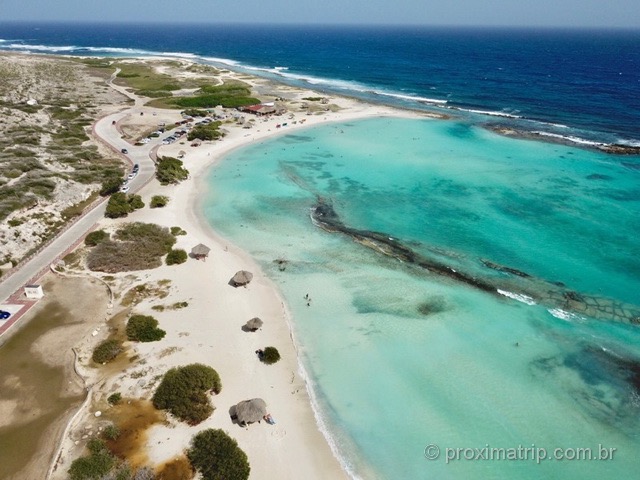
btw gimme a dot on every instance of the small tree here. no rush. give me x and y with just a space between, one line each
118 206
159 201
175 231
110 185
107 351
144 328
114 398
217 456
98 464
169 170
182 391
135 201
96 237
177 256
270 355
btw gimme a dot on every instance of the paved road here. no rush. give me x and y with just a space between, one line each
108 132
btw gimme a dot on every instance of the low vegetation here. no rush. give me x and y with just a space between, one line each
114 398
210 131
176 257
144 328
135 246
169 171
194 112
217 456
270 355
159 201
46 155
97 465
229 95
175 231
96 237
183 392
111 432
120 205
107 351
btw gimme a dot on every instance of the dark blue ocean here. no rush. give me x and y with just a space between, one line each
572 83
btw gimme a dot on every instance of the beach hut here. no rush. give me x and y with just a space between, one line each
253 325
241 278
249 411
200 251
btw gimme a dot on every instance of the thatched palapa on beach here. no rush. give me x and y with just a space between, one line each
249 411
253 325
200 251
241 278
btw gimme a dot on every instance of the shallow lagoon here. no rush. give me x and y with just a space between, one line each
400 357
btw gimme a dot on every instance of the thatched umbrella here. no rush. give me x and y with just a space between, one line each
249 411
253 324
241 278
200 251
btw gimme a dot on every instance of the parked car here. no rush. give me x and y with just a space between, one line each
136 167
4 314
125 151
132 175
124 188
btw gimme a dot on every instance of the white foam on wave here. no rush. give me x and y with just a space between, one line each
569 138
490 113
564 315
517 296
413 98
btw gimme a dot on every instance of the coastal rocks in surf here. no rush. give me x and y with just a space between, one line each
513 284
612 148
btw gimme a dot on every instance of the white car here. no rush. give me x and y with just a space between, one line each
124 188
131 176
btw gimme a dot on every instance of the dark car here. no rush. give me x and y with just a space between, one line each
4 314
136 167
125 151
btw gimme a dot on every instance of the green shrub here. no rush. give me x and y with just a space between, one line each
216 456
114 398
175 231
98 464
111 432
118 206
182 391
106 351
136 202
176 257
144 328
111 184
169 170
270 355
210 131
194 112
159 201
96 237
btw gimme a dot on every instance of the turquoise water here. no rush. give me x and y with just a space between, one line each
401 357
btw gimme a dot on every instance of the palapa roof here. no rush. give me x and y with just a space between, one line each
250 411
242 278
200 249
254 324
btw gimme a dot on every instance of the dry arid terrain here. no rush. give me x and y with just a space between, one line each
50 168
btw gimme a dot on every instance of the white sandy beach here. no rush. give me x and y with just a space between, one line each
209 331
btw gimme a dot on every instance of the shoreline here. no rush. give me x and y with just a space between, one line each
186 210
304 434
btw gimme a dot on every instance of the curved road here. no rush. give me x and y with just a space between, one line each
106 131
